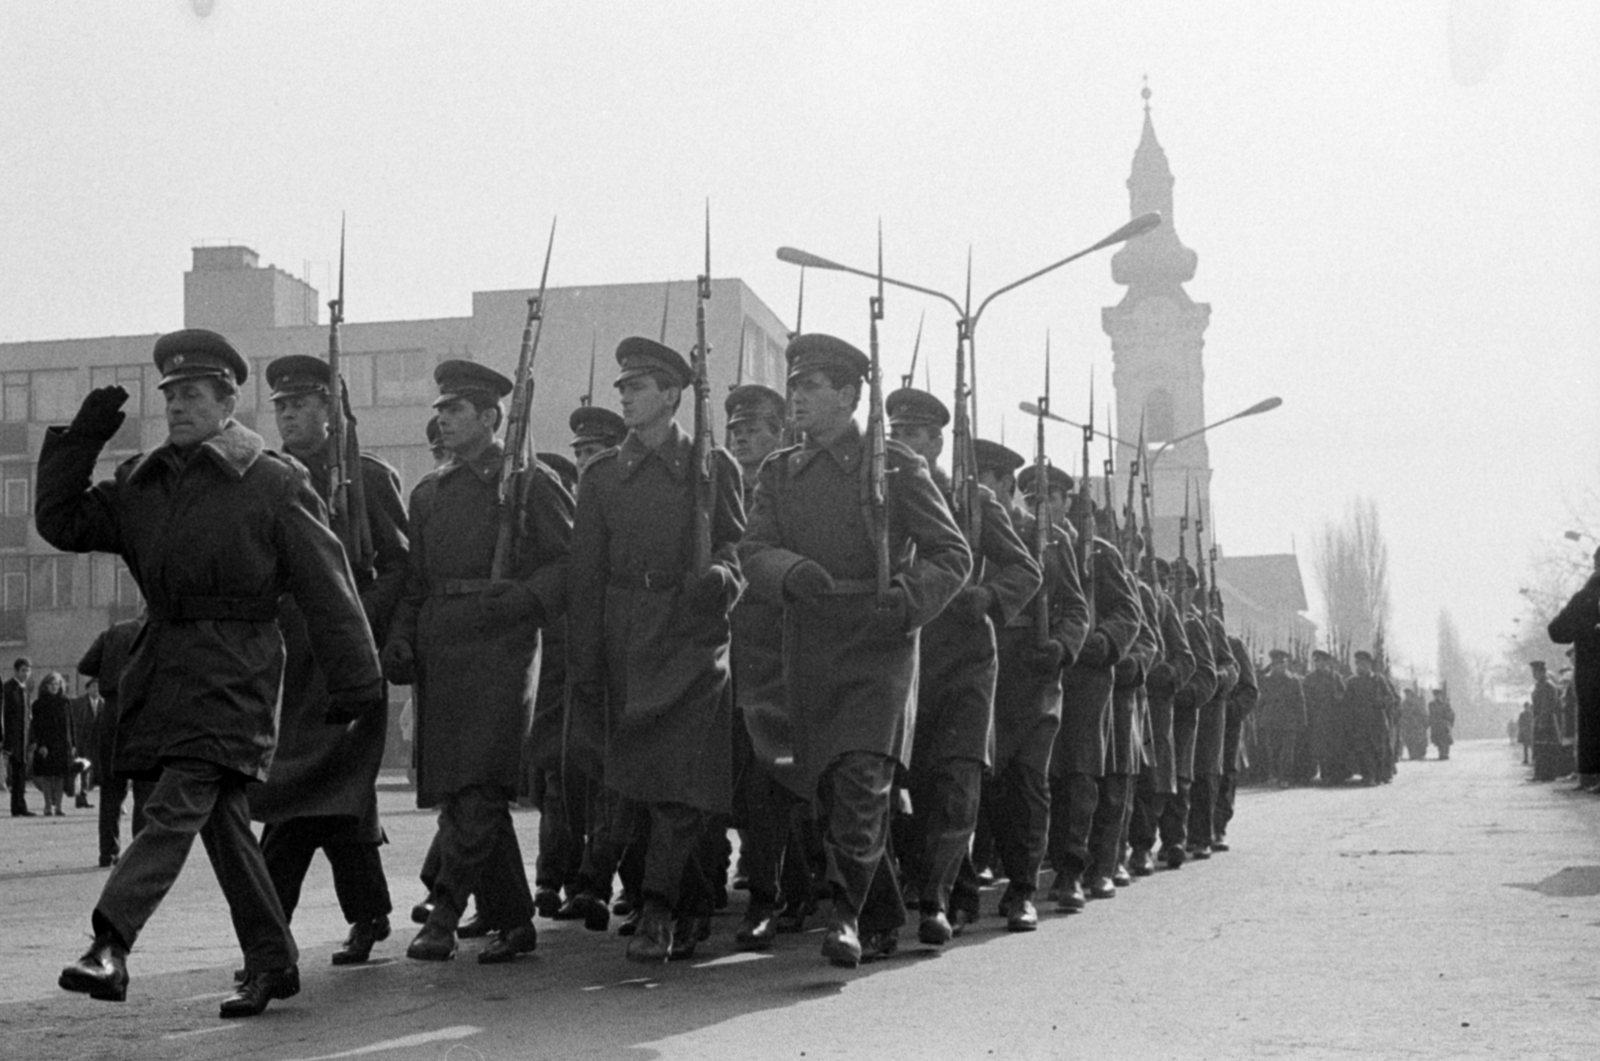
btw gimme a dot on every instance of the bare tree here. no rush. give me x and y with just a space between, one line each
1351 561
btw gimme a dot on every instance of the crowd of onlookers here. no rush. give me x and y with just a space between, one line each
49 739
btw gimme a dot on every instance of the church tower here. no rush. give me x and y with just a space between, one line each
1157 336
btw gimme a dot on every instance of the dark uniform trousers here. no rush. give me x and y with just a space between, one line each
1110 817
1144 817
113 792
479 856
615 845
194 797
17 774
854 792
768 810
1202 809
1017 802
1073 797
358 878
674 869
1226 791
563 813
938 832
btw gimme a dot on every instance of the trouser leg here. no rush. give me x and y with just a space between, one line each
673 870
559 844
1021 802
854 793
287 848
1144 818
1073 797
766 836
945 796
804 860
1202 804
113 790
429 874
19 786
1105 830
1174 825
1224 809
608 839
479 855
258 917
358 879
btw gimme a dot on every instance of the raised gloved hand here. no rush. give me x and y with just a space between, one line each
713 592
506 601
1096 651
807 581
399 662
1045 659
971 605
100 415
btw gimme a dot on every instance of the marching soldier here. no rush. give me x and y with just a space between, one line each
1027 698
1281 718
1441 719
1366 706
1241 704
471 645
1324 693
1211 734
215 529
954 742
1158 781
594 430
1186 705
1084 742
850 659
649 639
322 794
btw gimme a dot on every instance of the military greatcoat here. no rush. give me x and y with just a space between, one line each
213 535
1199 689
331 770
1026 698
1083 744
852 684
1172 670
1130 714
638 650
476 677
1241 702
956 684
1212 729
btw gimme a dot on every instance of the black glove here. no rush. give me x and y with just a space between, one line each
1126 672
399 663
713 592
1046 658
1096 651
971 605
1162 681
806 581
100 415
892 613
506 601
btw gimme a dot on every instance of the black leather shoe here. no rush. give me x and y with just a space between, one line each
960 919
876 946
251 997
358 945
757 929
1173 856
1103 888
686 933
653 940
433 944
630 923
590 908
792 918
1141 863
1199 852
546 902
935 930
473 928
101 973
421 912
1072 899
1220 845
842 943
1122 878
506 945
1021 916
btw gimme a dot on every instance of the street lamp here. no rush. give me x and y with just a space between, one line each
967 322
1265 405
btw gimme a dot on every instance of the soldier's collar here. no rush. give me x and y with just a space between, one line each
846 450
674 453
485 465
233 449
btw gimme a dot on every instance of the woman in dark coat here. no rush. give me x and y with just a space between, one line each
52 742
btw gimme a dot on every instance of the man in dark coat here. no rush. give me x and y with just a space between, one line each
1211 732
1324 696
1578 625
594 430
1027 697
1549 731
1241 705
470 645
322 794
1084 743
1186 708
106 657
215 529
850 658
84 713
1158 781
649 637
1281 717
954 737
14 719
1365 707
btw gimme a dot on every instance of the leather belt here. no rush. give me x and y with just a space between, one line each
195 609
458 587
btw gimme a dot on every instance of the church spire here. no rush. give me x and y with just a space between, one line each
1157 261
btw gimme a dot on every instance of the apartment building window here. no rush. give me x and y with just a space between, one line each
55 396
50 582
13 601
111 584
16 482
357 372
14 397
403 377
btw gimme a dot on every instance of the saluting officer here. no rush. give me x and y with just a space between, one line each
649 638
1027 696
322 792
215 529
471 645
954 740
850 660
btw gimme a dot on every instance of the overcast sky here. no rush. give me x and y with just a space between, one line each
1396 206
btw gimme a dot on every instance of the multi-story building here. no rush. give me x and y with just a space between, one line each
53 604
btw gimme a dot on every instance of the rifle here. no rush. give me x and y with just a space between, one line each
875 497
964 457
911 373
519 443
1041 506
347 494
588 395
1086 527
1130 515
1184 599
1200 556
1110 469
705 481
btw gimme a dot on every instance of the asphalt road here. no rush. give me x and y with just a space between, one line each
1452 914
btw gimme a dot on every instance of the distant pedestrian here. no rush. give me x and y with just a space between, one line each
1549 738
51 737
1525 731
14 733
